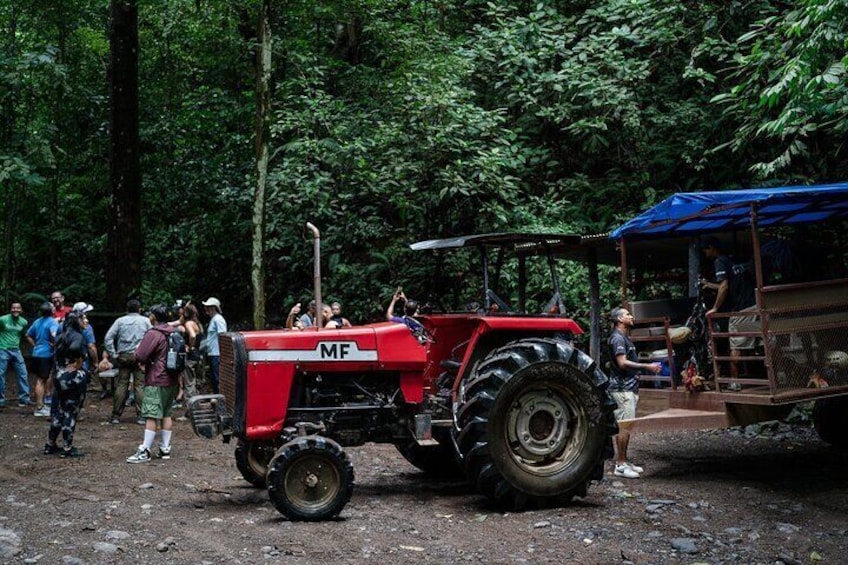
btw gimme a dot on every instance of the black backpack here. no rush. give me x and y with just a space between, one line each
176 359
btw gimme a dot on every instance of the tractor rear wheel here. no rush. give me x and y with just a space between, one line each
830 418
437 461
310 479
533 423
252 458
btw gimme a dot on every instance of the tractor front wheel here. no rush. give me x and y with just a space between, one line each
252 458
533 423
310 479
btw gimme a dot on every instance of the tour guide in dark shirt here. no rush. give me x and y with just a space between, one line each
624 387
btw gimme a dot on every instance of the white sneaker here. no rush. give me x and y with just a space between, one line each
142 455
624 471
636 468
42 412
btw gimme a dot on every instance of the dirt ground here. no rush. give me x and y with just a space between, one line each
765 496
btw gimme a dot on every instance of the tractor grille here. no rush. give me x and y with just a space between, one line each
233 377
227 372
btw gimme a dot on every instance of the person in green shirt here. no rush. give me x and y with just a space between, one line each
12 328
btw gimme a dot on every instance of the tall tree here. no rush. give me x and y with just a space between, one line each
263 113
124 247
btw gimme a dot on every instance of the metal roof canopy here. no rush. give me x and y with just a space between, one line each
565 246
696 213
523 243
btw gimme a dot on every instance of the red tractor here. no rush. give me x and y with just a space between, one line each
503 397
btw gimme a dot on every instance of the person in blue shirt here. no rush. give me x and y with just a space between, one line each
217 325
42 337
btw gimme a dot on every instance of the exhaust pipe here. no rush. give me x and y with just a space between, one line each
316 271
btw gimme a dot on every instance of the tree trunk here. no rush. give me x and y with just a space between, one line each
124 242
9 219
263 112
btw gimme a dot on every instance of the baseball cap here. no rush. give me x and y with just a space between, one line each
212 301
83 307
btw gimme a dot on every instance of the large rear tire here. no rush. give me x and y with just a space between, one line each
533 423
310 479
830 418
252 458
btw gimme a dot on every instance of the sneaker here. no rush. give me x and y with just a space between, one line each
115 421
50 449
141 421
24 402
734 387
636 468
178 404
105 394
42 412
48 400
623 470
141 455
164 452
71 453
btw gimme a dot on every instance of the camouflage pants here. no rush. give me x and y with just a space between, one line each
68 396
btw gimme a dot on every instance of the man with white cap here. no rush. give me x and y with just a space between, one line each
217 325
83 308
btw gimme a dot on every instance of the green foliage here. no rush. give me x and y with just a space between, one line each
396 121
787 90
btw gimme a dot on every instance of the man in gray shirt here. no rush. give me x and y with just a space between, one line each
120 344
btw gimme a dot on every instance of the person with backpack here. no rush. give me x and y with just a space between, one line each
69 386
161 383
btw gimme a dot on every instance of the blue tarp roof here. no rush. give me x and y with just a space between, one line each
693 213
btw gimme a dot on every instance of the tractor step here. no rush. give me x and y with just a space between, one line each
424 430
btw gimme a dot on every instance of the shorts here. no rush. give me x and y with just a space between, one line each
627 401
42 367
744 324
158 401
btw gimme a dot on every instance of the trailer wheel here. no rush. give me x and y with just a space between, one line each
830 418
437 461
252 458
310 479
533 423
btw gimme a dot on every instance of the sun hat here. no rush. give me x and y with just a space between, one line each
212 301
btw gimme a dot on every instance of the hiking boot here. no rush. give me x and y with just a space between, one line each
141 455
622 470
164 452
636 468
50 449
71 453
42 412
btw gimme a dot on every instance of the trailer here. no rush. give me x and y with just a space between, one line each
794 241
